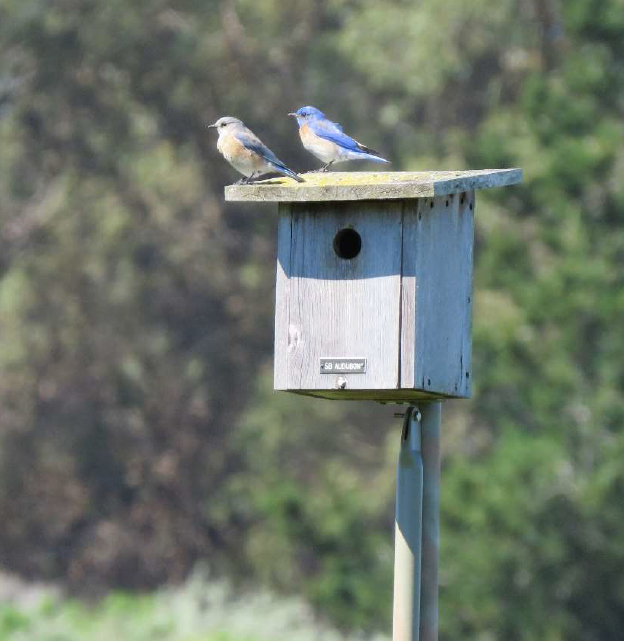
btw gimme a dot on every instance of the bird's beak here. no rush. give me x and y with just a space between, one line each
211 126
295 115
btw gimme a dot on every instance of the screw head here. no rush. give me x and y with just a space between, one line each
341 382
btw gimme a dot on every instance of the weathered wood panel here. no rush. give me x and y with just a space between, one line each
409 251
282 298
380 395
437 295
342 308
390 185
404 303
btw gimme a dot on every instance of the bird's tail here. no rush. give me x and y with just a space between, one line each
374 158
282 169
369 154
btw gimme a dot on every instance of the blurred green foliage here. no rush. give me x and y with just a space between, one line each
201 609
139 433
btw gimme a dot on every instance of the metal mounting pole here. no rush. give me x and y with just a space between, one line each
408 531
417 526
430 428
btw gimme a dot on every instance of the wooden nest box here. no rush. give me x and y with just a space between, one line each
374 282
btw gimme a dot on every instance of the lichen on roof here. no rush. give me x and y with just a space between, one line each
356 185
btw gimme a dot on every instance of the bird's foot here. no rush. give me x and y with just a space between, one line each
245 180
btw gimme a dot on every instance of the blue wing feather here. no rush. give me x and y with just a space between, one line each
253 143
332 131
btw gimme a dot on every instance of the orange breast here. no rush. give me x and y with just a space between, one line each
246 161
307 135
232 148
321 148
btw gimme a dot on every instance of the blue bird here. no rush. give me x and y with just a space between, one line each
246 152
326 140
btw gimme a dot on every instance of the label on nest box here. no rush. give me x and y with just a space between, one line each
343 366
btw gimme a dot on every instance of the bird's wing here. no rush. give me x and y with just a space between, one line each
333 131
250 141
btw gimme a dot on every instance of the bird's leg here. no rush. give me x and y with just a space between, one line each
321 169
245 180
